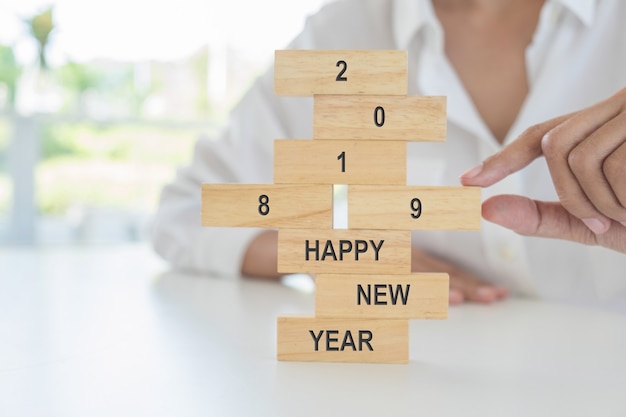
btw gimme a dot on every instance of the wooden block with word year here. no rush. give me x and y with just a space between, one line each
342 340
339 162
309 72
413 296
267 205
409 118
413 207
344 251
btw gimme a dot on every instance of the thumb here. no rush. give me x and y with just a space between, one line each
536 218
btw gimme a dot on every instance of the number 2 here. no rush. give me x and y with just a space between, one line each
344 67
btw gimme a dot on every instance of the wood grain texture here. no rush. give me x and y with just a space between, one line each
344 251
288 205
408 118
342 340
389 207
309 72
319 162
413 296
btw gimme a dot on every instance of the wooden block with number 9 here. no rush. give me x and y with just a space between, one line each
413 207
267 205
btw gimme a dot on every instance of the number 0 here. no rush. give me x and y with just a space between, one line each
379 116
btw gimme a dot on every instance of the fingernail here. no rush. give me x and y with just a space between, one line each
597 226
472 172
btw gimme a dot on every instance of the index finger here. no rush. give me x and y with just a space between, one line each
517 155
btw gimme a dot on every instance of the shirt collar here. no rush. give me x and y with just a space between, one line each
410 16
585 10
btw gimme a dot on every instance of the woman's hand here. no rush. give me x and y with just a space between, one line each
586 155
463 286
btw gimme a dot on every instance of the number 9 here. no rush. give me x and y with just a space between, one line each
416 208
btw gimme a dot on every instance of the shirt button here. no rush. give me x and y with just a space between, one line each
507 253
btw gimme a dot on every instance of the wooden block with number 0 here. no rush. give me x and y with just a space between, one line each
339 162
309 72
412 296
342 340
267 205
414 207
409 118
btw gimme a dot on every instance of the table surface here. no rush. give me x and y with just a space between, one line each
109 331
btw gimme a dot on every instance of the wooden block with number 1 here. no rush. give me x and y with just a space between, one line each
339 162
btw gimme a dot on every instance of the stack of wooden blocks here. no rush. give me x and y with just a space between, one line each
365 291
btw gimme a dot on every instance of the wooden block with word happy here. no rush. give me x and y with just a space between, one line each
267 205
309 72
339 162
413 207
344 251
409 118
342 340
413 296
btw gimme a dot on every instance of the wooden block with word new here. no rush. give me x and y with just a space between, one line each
342 340
413 296
339 162
268 205
344 251
413 207
309 72
409 118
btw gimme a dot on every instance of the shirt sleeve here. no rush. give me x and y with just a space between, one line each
243 153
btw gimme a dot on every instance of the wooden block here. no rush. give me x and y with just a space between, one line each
413 296
339 162
309 72
342 340
409 118
344 251
267 205
414 208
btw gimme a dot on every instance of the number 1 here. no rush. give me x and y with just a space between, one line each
342 158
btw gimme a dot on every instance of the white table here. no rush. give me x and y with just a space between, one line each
109 332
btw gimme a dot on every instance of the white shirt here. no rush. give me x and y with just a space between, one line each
577 58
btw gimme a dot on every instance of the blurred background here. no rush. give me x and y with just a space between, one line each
101 101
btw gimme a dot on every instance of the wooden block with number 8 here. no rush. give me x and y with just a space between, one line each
267 205
344 251
414 207
309 72
412 296
409 118
339 162
342 340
